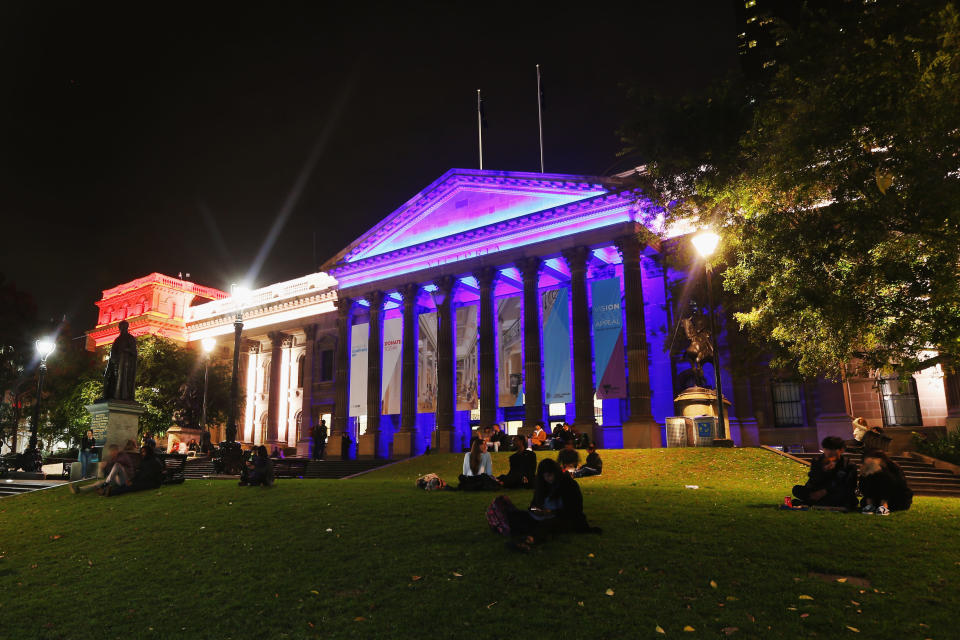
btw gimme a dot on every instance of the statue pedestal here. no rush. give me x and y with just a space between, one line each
115 422
699 401
183 436
442 441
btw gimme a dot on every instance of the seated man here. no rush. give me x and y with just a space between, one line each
497 438
832 480
149 475
523 467
539 436
562 435
593 466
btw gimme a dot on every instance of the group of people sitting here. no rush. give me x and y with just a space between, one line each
477 474
257 468
564 434
835 482
126 471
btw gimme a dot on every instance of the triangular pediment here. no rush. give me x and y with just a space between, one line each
464 199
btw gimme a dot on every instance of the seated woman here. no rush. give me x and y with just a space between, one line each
557 507
478 469
259 469
523 467
883 485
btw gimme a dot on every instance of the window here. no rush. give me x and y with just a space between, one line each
900 403
326 365
787 404
557 410
300 361
598 410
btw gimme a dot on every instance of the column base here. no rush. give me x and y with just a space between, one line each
586 428
403 444
442 441
641 435
367 445
334 446
953 423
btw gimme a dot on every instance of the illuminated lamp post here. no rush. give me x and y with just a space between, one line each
32 460
706 243
208 346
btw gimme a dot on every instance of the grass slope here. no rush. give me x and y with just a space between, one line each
373 557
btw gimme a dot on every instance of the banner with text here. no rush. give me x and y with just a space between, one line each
557 385
359 336
509 352
427 363
608 339
390 380
466 337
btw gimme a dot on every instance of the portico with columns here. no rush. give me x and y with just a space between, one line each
472 255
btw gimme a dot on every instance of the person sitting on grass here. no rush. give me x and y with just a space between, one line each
593 465
118 468
497 439
149 475
539 436
258 469
883 485
478 469
568 458
832 480
557 507
523 467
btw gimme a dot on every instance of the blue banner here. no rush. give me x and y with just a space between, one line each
557 385
608 339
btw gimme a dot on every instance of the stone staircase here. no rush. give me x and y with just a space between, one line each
923 478
12 487
198 468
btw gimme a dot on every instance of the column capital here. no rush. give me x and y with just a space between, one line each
486 276
410 293
277 338
344 306
576 258
375 298
629 248
529 268
310 331
445 284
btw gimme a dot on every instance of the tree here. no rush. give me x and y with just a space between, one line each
840 210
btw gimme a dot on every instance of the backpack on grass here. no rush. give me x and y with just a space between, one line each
498 515
430 482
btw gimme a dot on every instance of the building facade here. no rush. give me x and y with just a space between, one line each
512 298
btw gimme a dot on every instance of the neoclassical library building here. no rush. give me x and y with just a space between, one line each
498 297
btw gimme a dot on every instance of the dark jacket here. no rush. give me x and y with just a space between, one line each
87 444
889 485
570 516
594 461
523 464
149 474
842 478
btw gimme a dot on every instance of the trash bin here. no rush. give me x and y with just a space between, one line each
704 431
679 431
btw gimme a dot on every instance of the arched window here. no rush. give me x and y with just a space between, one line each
299 421
300 363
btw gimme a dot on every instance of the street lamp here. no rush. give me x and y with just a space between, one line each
706 243
32 460
208 346
240 295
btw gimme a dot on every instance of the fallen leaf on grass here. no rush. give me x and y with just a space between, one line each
855 603
329 530
689 628
854 629
314 592
804 615
805 597
732 598
459 575
713 584
730 630
791 608
414 578
492 603
609 592
660 630
56 537
590 555
359 619
751 618
841 579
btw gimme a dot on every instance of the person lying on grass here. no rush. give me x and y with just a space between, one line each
593 466
478 469
832 480
557 507
523 466
883 485
149 475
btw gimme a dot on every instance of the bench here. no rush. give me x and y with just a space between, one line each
174 467
289 467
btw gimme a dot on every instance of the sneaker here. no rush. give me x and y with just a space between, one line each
883 511
868 509
788 502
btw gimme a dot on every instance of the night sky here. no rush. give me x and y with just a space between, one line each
172 140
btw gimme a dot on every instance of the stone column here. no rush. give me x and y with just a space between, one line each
951 387
443 440
273 397
488 361
304 440
639 429
341 382
532 352
583 390
404 440
367 444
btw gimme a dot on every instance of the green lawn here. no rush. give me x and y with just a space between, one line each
373 557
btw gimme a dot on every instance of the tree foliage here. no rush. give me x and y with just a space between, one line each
840 208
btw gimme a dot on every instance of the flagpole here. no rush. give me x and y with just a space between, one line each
480 127
540 116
